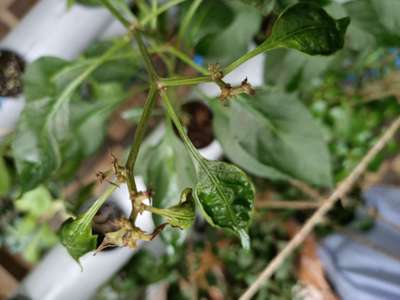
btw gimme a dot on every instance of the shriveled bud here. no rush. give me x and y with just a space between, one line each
126 236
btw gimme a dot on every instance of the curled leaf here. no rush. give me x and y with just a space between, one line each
226 197
76 234
308 28
181 215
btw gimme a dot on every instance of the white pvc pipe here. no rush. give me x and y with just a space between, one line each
53 30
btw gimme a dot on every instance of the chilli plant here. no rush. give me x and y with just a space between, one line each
264 131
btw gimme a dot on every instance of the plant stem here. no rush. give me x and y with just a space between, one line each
154 9
180 55
115 12
159 11
130 163
187 142
146 56
188 17
92 211
138 37
180 81
267 45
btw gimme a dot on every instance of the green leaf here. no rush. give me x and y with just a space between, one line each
234 150
5 179
294 70
76 234
308 28
35 202
234 40
210 19
265 6
277 131
50 85
377 18
121 67
226 197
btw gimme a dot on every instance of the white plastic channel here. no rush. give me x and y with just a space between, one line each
53 30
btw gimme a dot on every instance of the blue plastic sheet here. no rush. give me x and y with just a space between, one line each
359 272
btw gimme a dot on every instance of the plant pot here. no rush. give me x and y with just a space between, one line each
53 30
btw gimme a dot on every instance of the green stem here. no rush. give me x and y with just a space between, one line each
202 163
130 163
92 211
186 59
146 56
180 81
138 37
180 55
159 11
187 142
267 45
188 17
154 9
115 12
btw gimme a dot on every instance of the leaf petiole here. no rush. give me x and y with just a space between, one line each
181 81
269 44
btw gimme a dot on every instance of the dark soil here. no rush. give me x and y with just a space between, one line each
11 71
103 221
197 118
265 28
